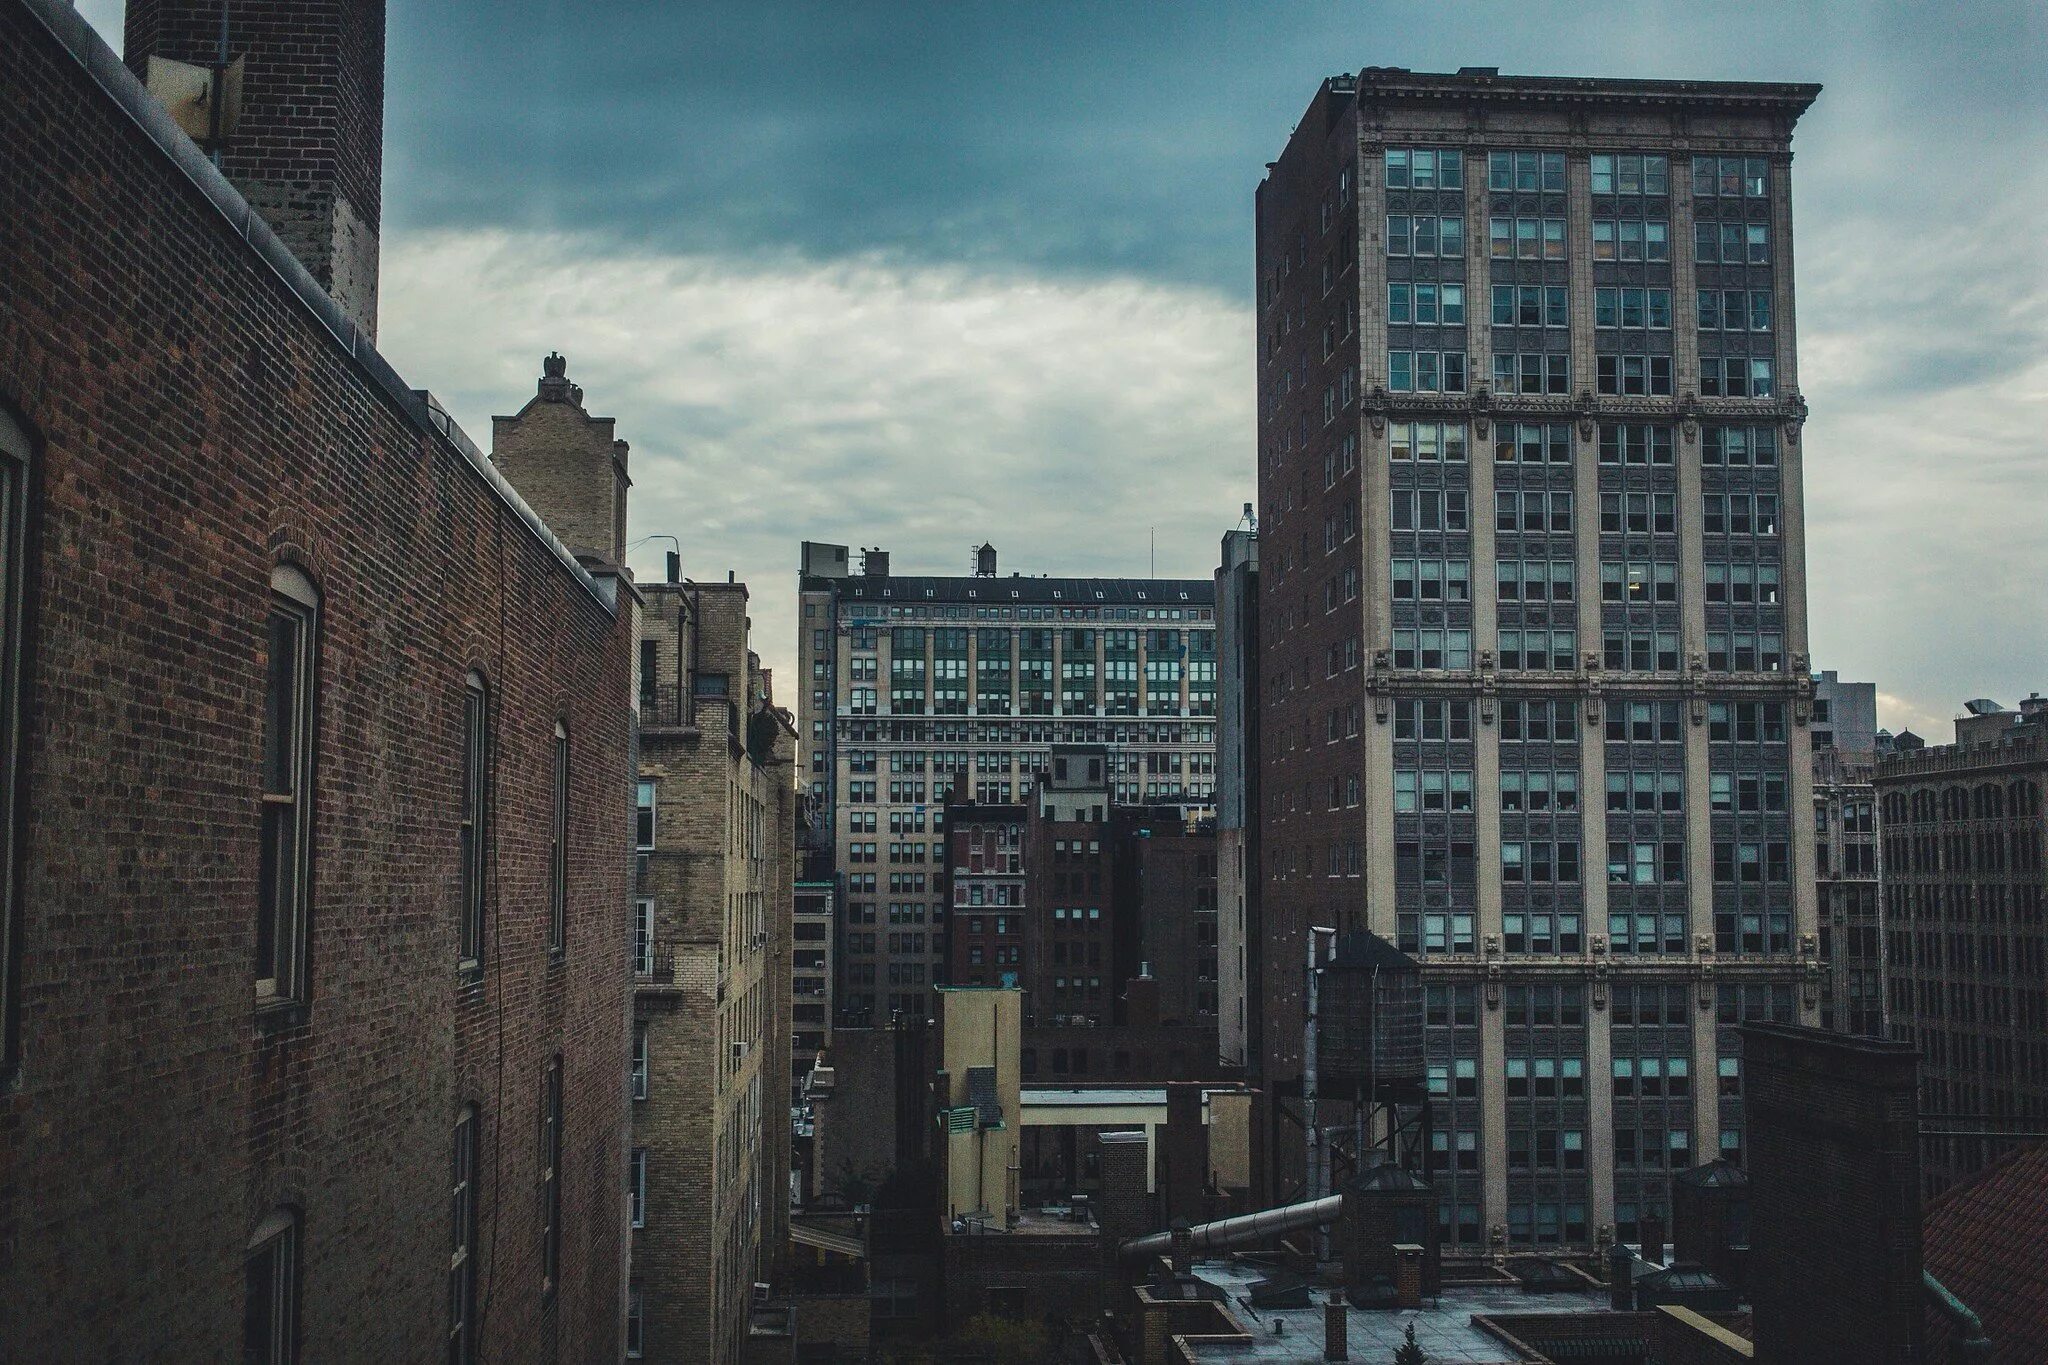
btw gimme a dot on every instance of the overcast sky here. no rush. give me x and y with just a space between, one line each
915 275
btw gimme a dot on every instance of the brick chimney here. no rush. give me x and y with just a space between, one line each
308 149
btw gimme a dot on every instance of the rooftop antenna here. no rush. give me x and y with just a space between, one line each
1154 571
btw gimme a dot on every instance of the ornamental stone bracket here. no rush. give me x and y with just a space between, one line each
1377 405
1482 410
1689 416
1584 408
1795 417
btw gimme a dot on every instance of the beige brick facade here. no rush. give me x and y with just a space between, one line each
712 930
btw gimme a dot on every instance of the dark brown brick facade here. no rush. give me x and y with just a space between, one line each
198 422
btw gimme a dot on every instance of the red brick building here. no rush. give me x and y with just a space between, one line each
316 978
1103 915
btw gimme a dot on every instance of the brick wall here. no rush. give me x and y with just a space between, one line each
715 1124
1834 1170
197 424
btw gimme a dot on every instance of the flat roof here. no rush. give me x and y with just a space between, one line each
1445 1331
1066 592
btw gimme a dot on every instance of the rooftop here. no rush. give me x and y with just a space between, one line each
1445 1331
1069 592
1983 1241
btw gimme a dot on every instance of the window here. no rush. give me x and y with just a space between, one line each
1426 371
1637 375
1532 372
1529 305
1718 243
1730 177
643 816
1736 376
636 1320
1437 442
650 662
14 458
1735 310
1631 175
283 896
636 1188
637 1073
462 1237
1525 239
643 936
1425 235
1525 172
1426 304
1631 239
1419 168
1632 308
476 743
558 850
550 1176
270 1315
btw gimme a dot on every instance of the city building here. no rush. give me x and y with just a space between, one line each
811 978
1965 887
915 686
316 850
1534 694
1851 940
1103 916
713 949
1239 939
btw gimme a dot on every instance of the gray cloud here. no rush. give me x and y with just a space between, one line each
825 193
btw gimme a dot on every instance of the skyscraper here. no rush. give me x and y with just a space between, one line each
1534 689
914 683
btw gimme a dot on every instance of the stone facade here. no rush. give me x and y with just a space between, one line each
224 432
713 925
1531 525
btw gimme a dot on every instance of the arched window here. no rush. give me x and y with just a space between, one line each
14 486
476 763
270 1312
284 897
558 852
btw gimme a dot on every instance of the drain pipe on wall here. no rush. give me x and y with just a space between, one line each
1975 1347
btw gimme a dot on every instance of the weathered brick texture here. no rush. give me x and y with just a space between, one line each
196 425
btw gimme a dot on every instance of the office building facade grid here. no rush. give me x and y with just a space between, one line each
1534 693
911 685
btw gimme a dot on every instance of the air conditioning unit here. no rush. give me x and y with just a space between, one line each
760 1292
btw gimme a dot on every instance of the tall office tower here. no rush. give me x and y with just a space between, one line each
1966 952
1534 683
1237 798
913 684
1851 940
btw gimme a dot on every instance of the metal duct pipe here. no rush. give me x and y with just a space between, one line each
1975 1346
1246 1227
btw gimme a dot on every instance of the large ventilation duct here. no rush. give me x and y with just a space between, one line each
1243 1229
